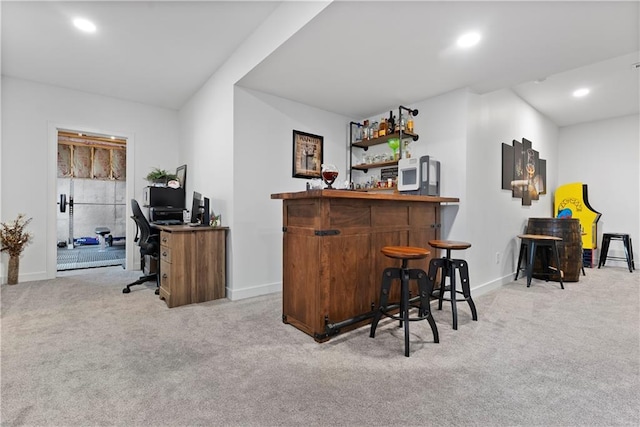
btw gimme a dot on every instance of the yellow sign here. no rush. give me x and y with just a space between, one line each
571 202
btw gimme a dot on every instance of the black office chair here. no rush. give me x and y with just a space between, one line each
149 245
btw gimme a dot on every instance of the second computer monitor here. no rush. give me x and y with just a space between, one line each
200 209
195 207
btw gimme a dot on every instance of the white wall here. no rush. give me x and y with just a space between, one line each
263 147
465 132
30 114
462 130
207 121
495 218
605 155
442 125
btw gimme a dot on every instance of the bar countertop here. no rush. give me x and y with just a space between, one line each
350 194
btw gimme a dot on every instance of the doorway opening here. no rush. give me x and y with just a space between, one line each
91 188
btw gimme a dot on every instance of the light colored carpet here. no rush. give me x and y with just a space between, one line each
77 352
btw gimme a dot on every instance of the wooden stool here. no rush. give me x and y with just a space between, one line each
530 242
404 274
628 249
448 268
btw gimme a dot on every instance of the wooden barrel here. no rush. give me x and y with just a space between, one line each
569 250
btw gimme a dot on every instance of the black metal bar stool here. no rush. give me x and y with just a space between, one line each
528 247
405 274
448 267
628 249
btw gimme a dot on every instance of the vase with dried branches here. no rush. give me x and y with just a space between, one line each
14 238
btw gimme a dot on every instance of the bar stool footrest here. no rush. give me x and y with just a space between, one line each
436 294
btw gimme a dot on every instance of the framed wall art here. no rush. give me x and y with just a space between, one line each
523 171
181 174
308 154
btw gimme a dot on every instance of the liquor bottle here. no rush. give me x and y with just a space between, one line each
410 123
383 127
366 131
391 123
375 129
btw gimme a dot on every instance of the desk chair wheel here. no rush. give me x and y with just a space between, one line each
126 290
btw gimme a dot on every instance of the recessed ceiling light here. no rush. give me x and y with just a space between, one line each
84 25
468 39
581 92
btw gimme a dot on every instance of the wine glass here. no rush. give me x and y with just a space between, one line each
329 174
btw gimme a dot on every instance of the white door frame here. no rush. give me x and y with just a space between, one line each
52 177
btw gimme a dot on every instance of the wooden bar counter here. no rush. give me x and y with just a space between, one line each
332 265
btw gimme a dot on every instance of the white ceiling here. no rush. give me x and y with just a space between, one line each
157 53
355 58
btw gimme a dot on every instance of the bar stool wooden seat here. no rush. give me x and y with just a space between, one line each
528 246
448 267
628 249
405 274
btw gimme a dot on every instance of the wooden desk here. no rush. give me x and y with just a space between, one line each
332 265
192 264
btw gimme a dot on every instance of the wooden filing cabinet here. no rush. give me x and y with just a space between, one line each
192 264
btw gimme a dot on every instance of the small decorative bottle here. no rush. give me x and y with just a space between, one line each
406 152
383 127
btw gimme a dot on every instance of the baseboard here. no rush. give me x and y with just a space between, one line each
256 291
492 285
271 288
28 277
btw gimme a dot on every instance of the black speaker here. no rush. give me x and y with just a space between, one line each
206 215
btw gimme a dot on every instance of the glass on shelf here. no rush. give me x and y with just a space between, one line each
357 133
394 144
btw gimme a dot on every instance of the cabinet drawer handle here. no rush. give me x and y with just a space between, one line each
164 254
164 240
164 276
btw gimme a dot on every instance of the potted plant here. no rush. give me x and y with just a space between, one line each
14 238
160 177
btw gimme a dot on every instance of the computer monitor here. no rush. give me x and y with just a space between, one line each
200 210
196 205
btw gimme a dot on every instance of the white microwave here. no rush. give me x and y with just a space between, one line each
419 176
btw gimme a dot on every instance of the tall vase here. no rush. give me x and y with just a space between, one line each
14 268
